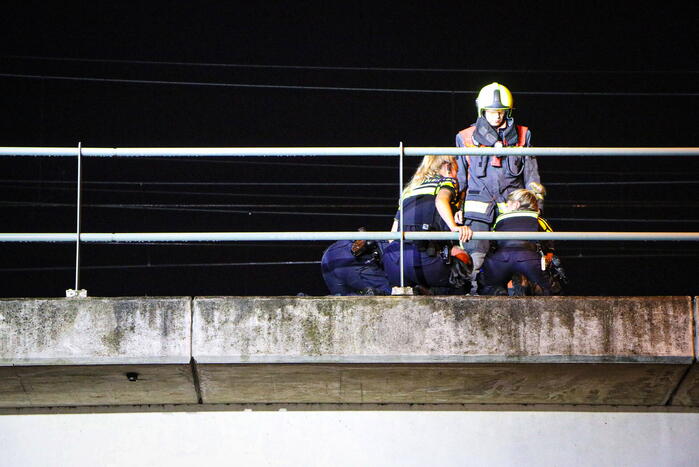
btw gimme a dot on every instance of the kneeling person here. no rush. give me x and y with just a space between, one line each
354 268
429 203
517 256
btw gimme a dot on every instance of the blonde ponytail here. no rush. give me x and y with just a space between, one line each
428 168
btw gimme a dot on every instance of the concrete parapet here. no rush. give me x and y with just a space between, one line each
631 351
57 352
95 331
423 329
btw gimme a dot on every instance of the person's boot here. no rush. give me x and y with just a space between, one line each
518 289
422 290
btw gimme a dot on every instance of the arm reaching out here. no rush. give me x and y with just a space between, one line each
442 203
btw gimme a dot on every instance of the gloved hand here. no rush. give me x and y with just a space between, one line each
460 254
548 257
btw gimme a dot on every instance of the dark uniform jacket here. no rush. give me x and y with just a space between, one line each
418 205
522 221
488 180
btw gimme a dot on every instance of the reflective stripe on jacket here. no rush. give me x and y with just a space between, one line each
523 221
419 204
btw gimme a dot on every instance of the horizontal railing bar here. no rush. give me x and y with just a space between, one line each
553 151
604 236
341 151
331 236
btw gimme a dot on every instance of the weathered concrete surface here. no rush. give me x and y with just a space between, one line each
688 391
436 383
56 352
687 394
391 349
95 331
631 351
449 329
55 385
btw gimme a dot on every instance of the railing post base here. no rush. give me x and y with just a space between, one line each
72 293
402 291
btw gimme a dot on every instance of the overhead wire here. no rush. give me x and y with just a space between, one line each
387 184
200 193
573 204
335 88
253 209
247 212
193 183
295 263
267 161
169 265
342 68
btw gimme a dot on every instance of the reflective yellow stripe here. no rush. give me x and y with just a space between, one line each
545 225
476 206
519 214
423 190
502 207
432 187
516 214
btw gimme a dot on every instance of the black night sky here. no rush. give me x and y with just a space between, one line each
251 74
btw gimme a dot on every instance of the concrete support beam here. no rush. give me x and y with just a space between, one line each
94 385
436 383
687 394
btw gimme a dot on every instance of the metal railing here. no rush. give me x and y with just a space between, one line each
400 151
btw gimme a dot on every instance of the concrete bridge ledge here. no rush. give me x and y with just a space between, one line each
570 351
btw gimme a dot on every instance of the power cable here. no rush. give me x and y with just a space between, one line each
199 193
266 161
342 68
247 212
389 184
317 244
338 88
225 208
633 182
280 244
557 203
147 266
635 256
641 221
290 263
144 182
570 204
618 173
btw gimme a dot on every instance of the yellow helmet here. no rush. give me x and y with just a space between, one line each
496 97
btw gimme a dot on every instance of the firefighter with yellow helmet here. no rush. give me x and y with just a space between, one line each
486 181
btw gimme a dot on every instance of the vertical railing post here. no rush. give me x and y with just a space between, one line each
77 292
400 229
402 290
